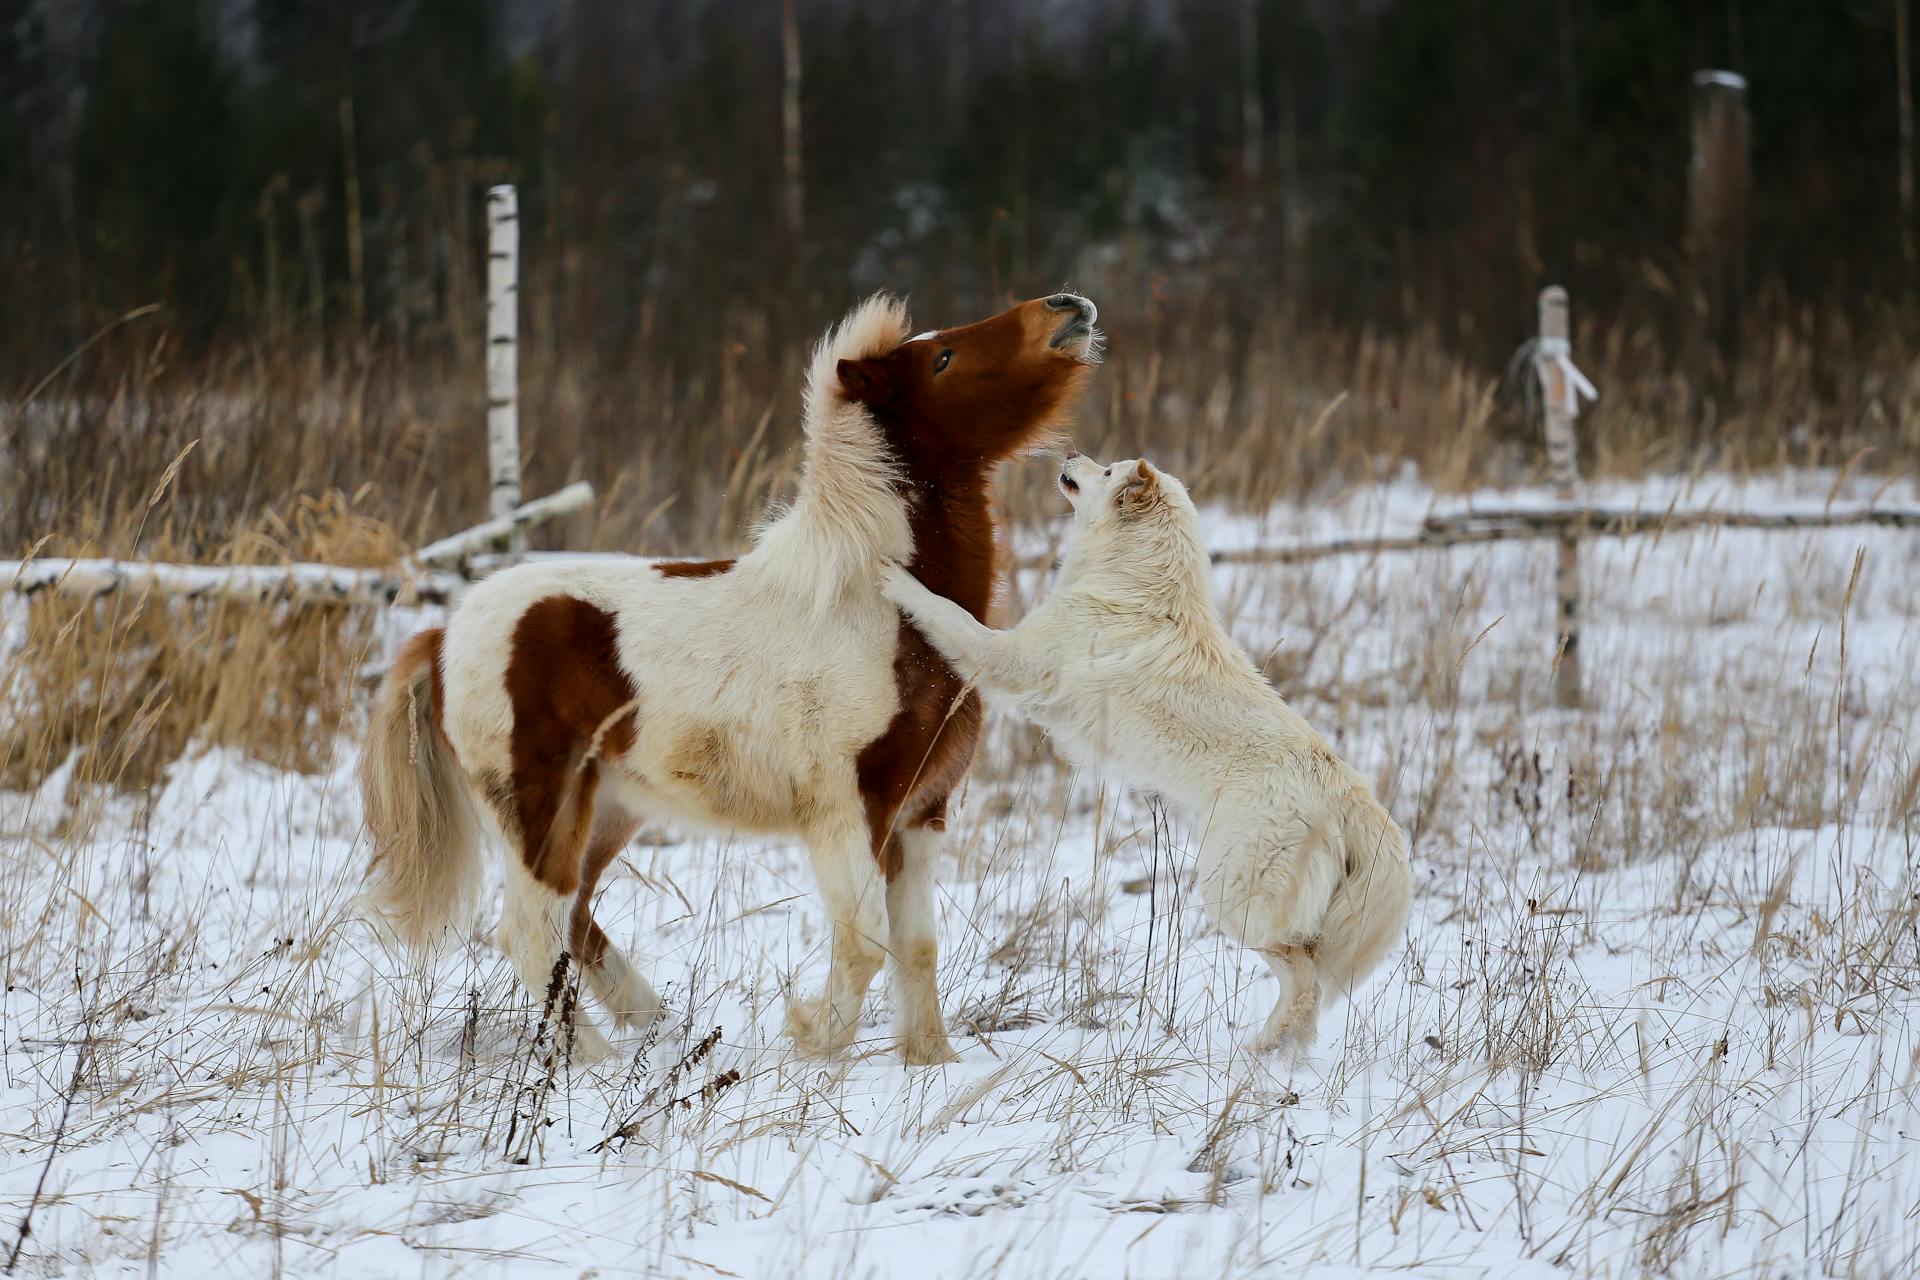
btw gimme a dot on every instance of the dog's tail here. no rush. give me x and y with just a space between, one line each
1368 914
426 867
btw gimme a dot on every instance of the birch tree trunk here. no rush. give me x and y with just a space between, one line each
503 356
1562 404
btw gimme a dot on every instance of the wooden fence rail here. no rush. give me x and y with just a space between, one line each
1618 521
334 584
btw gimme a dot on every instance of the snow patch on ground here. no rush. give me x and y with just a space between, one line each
1655 1012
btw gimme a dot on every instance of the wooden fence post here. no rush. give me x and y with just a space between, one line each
503 356
1719 185
1561 386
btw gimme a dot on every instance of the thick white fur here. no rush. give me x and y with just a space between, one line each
757 688
1126 663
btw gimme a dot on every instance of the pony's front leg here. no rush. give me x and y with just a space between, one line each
914 947
855 894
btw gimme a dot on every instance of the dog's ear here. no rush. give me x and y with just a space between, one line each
1141 492
868 381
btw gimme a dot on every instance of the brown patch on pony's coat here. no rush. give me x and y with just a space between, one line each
692 568
566 685
611 831
908 772
1001 390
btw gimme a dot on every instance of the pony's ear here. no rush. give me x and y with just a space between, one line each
867 381
1141 492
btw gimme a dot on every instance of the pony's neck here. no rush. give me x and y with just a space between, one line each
955 552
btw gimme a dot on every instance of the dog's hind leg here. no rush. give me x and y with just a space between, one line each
1295 1020
855 894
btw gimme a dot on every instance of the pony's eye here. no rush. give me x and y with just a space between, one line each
1107 472
942 360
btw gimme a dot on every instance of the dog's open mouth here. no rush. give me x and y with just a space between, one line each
1067 486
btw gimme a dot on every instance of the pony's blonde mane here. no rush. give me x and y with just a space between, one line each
848 518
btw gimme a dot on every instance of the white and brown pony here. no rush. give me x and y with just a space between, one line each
778 694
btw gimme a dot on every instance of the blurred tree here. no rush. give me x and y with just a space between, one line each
162 184
1396 161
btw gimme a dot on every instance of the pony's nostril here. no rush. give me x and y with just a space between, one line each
1071 455
1064 302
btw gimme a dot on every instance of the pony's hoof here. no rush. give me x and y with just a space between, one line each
805 1027
1284 1044
927 1050
589 1044
639 1019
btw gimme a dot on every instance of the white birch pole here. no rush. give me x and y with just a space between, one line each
503 357
1561 386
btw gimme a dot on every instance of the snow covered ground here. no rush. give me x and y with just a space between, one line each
1656 1011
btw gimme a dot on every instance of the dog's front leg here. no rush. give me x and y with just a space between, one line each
979 652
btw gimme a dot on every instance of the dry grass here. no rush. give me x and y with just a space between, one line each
691 432
255 448
113 690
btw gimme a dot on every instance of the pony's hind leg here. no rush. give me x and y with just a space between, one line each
533 929
914 948
629 998
543 877
1295 1020
855 895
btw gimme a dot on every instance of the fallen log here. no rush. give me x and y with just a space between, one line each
450 551
245 584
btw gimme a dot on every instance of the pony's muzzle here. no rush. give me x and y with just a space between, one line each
1079 322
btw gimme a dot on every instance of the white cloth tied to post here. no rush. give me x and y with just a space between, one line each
1573 383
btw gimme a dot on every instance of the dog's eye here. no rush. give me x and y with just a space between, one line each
941 361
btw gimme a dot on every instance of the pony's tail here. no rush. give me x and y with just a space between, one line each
1368 914
426 867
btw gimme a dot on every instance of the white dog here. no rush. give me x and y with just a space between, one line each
1127 663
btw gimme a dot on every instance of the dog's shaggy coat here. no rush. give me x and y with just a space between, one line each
779 694
1126 663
